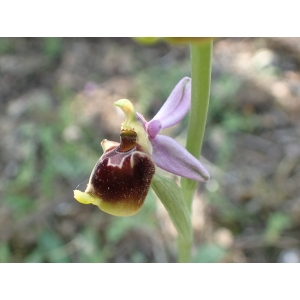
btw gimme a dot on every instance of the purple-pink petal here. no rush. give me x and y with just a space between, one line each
177 104
172 157
153 128
141 119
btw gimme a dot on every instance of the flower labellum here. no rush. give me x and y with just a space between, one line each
120 181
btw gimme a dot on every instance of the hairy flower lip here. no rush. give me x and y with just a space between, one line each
120 181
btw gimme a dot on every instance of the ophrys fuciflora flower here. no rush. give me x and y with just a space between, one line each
121 178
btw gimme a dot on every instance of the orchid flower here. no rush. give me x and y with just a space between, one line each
120 180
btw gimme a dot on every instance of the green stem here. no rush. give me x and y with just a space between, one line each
184 250
178 201
201 72
172 198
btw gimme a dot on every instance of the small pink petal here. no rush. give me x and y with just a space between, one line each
141 118
153 128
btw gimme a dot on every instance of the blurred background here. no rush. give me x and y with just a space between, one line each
56 106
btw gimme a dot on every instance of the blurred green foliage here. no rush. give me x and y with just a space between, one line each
50 166
5 255
49 157
276 224
209 253
153 92
6 45
50 248
52 46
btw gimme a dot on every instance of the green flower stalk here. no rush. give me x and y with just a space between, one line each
201 54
